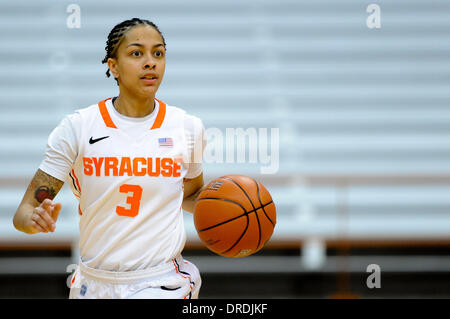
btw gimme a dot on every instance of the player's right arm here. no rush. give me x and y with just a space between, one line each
37 212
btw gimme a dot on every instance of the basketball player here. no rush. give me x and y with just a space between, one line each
130 162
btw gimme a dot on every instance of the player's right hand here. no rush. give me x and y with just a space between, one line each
43 218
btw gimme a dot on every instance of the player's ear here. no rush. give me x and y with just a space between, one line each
112 65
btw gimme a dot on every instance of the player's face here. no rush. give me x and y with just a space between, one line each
140 62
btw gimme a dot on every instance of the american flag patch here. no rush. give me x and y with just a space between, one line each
165 142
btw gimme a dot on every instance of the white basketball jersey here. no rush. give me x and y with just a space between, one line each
130 188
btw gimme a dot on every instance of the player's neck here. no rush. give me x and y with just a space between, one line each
134 107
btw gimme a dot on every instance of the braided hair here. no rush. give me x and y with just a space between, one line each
116 36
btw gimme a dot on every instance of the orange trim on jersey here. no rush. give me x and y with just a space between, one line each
160 116
74 189
109 122
76 180
185 277
79 210
73 279
105 115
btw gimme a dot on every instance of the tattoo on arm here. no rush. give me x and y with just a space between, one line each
44 186
44 192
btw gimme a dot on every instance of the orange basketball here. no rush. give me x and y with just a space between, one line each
234 216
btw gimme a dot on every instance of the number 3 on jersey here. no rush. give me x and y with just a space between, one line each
133 200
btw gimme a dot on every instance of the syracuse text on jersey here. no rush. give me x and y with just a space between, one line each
138 166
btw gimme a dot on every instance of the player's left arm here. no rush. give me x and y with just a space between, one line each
192 188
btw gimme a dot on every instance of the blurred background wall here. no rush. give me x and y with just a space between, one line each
361 105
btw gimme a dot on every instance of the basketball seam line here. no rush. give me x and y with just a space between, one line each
256 215
228 220
259 198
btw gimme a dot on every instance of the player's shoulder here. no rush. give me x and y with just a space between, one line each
188 118
78 116
175 110
87 110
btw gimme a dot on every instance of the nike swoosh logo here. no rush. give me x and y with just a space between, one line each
92 141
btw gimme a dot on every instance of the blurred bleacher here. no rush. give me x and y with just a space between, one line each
363 114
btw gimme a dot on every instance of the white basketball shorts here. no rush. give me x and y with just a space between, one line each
177 279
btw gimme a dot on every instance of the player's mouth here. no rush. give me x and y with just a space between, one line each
149 79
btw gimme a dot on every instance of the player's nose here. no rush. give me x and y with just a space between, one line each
149 63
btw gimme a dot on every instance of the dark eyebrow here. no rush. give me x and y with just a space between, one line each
140 45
